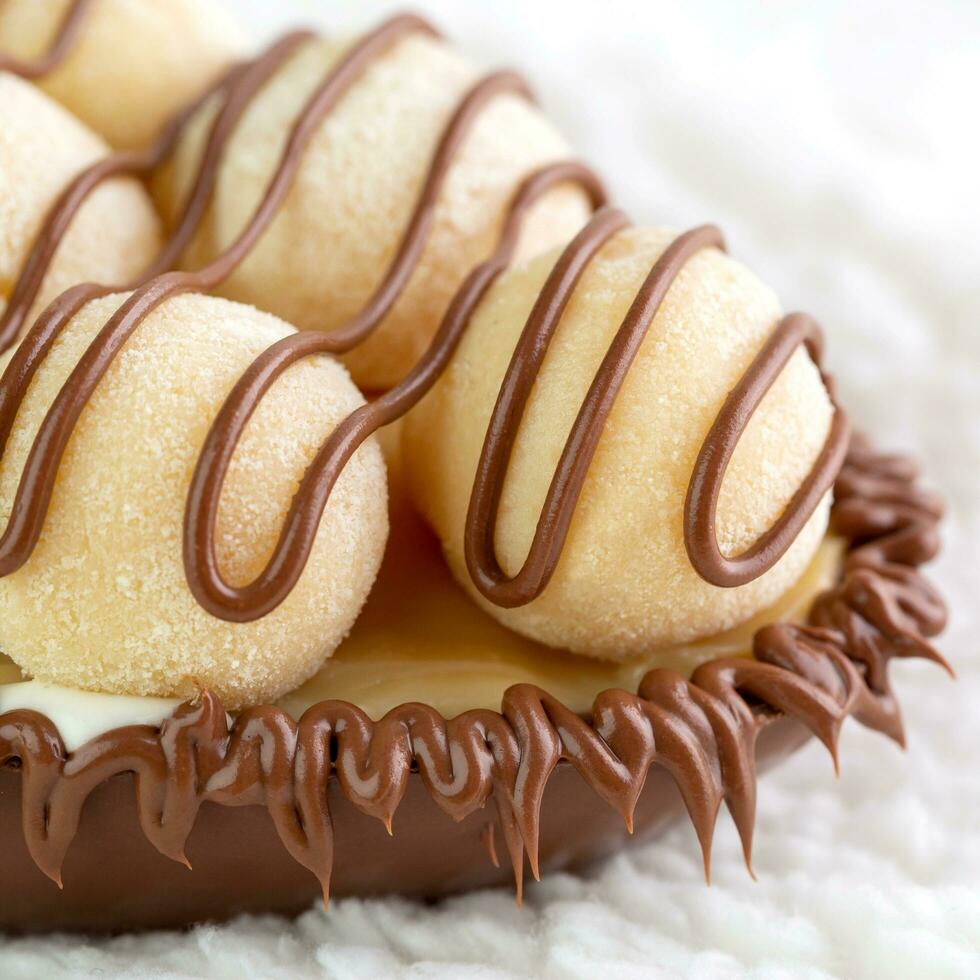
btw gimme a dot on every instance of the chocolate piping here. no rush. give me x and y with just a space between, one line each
273 584
59 48
702 730
701 503
276 580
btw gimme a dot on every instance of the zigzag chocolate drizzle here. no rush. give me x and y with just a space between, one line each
239 85
701 503
271 586
702 730
59 48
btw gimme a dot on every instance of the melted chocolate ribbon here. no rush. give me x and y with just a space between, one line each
61 44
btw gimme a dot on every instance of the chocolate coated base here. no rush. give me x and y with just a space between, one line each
115 881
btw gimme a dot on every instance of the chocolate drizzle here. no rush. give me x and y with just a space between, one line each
59 48
702 730
255 599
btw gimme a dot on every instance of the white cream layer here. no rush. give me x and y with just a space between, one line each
82 715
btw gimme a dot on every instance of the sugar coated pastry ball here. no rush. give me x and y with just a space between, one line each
103 603
341 223
42 147
132 64
624 582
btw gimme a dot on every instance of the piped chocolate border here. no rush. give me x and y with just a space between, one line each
701 730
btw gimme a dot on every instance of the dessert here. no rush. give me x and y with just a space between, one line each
124 67
625 581
124 621
435 706
44 151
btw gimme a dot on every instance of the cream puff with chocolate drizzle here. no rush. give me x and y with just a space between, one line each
620 418
113 235
363 170
122 66
100 602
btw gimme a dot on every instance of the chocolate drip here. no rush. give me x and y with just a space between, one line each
273 584
61 44
702 730
488 837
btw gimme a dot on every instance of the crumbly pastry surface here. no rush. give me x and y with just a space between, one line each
624 582
103 603
341 223
115 234
132 64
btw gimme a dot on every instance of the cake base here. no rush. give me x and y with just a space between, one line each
115 881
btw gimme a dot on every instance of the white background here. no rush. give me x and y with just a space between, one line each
836 143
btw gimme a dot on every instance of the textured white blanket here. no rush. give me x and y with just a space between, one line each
837 145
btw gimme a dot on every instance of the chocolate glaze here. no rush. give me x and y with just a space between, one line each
701 731
59 48
276 580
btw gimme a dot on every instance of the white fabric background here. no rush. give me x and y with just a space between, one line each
837 145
